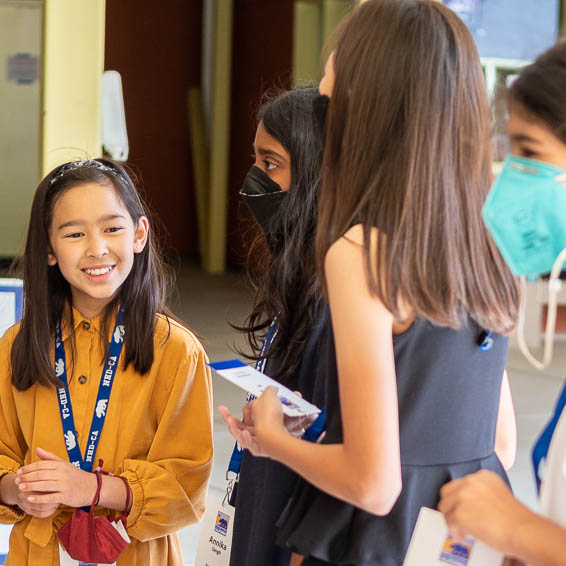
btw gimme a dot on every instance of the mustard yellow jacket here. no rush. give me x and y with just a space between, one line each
157 434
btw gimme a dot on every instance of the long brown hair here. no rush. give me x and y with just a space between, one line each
541 89
408 151
46 291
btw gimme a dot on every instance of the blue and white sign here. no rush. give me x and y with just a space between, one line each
11 302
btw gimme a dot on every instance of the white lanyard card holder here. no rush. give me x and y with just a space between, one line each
215 542
432 545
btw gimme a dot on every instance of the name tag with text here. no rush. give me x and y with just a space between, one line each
215 542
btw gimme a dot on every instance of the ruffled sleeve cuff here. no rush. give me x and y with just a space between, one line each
138 497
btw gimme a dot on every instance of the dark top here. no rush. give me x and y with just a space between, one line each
265 486
449 392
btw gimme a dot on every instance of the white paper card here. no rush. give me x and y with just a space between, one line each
5 531
254 382
215 542
66 560
431 545
119 526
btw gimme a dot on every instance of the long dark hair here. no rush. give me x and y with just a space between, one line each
408 151
46 291
287 287
541 89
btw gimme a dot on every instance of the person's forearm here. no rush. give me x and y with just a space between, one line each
113 494
506 455
7 490
506 431
540 542
330 468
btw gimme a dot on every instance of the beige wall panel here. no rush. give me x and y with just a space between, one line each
73 63
20 47
215 245
307 40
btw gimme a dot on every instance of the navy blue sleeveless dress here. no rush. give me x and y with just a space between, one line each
265 486
449 392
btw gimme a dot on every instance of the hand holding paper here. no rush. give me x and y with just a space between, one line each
242 433
482 505
276 408
263 414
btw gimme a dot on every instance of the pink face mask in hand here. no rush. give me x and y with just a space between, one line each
87 538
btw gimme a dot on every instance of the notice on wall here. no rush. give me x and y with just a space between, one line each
22 68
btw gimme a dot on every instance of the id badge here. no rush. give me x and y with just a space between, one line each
432 545
215 542
66 560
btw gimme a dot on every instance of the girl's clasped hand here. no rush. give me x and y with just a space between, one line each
52 481
42 486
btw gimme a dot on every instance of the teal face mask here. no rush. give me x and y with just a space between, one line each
525 212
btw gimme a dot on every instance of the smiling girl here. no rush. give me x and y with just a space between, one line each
127 387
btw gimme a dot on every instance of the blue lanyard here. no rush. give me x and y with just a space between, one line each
266 346
102 400
236 459
316 428
542 445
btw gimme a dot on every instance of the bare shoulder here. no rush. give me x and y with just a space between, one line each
346 267
349 247
174 336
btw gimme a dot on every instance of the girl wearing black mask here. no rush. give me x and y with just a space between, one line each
416 387
281 190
